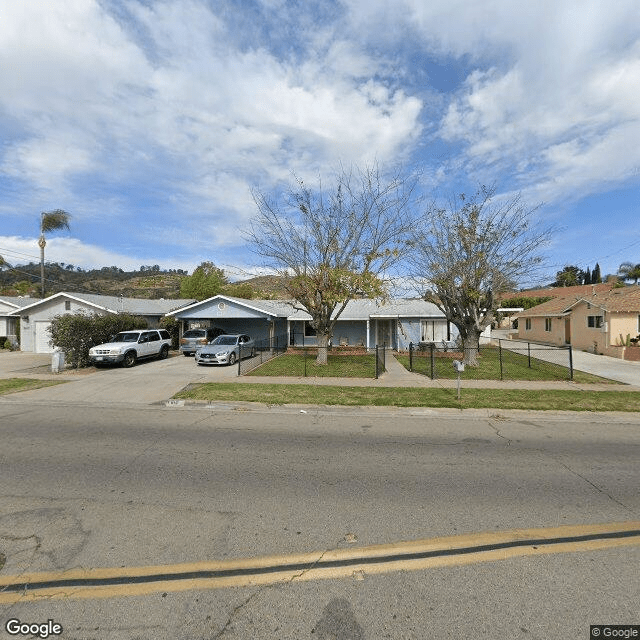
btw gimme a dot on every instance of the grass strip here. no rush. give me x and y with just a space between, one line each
547 400
12 385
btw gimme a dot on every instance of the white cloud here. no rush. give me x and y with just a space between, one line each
553 84
19 250
161 99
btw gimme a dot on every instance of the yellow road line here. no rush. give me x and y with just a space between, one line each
335 563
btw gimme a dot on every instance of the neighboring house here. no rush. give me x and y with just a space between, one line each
9 306
35 318
598 323
363 323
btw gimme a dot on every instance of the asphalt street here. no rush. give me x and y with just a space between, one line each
112 487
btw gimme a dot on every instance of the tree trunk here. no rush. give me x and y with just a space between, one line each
471 347
42 243
323 347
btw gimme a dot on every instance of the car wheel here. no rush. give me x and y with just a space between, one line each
232 358
186 354
164 352
129 359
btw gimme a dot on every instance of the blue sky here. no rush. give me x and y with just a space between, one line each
151 121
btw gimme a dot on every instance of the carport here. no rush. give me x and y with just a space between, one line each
263 319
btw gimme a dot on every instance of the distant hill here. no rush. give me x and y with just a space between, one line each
147 282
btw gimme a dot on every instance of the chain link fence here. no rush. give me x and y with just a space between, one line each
343 362
500 360
251 357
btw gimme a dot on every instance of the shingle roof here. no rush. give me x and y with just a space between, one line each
18 301
116 304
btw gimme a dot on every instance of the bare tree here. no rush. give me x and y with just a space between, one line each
50 221
333 245
467 254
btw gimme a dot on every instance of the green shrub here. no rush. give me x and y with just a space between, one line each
173 327
76 333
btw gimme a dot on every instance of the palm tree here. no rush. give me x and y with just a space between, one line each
629 271
50 221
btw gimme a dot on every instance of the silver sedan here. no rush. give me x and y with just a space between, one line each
226 349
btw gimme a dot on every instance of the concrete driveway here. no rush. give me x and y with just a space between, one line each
148 382
604 366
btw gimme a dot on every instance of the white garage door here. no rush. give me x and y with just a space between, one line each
43 337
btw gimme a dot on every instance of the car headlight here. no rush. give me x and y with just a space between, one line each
221 354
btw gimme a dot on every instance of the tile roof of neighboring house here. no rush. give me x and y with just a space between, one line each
560 292
620 300
116 304
554 307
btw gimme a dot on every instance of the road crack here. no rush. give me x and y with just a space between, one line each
497 432
595 486
260 590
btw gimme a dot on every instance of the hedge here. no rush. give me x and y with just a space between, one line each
76 333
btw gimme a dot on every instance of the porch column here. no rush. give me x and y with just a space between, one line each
368 334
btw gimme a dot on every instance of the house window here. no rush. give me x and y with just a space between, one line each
67 305
594 322
309 331
547 324
527 324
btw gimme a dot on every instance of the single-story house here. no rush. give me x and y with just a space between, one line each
363 323
599 323
9 305
35 318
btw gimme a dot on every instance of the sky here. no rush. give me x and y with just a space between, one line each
151 121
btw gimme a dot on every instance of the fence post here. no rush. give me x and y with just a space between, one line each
411 356
376 362
239 359
529 353
304 359
570 363
500 356
433 360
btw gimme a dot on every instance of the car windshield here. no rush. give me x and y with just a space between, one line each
126 337
193 334
225 340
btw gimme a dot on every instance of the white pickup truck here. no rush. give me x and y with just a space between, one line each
130 346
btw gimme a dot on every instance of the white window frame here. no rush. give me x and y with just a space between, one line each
595 322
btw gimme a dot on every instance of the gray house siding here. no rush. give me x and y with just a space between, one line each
364 322
35 323
35 319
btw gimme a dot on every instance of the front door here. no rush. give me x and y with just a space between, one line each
384 333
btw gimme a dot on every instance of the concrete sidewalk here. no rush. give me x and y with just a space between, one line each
156 382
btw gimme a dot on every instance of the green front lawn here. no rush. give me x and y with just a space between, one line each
277 394
515 366
11 385
338 366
